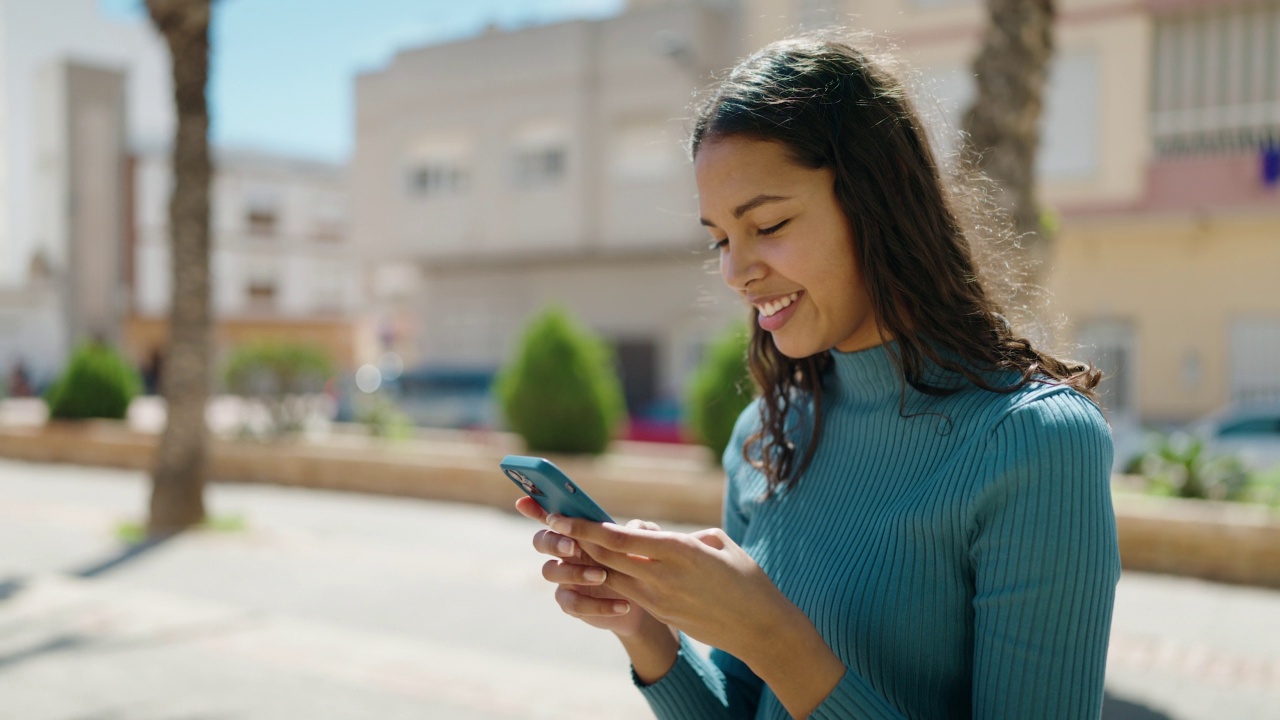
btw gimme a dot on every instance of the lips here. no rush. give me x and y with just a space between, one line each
774 312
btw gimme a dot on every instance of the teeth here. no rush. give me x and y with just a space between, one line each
770 309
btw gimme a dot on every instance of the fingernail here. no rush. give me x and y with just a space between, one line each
620 607
594 574
551 521
565 546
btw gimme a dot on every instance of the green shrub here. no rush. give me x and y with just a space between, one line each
384 419
279 376
561 392
1264 487
1179 465
719 391
97 383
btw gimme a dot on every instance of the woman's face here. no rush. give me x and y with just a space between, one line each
785 246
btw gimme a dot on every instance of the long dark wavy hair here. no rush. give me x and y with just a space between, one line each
834 107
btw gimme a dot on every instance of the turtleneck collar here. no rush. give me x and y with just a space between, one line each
864 375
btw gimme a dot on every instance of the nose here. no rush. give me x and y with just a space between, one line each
740 265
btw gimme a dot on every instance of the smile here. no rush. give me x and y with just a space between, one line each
772 308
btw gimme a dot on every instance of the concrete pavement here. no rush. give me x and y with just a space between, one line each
336 606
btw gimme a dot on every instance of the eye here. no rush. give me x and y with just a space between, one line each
773 229
715 244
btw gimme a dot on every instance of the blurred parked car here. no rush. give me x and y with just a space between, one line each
1250 432
446 397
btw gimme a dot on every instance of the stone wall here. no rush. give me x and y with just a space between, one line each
1217 541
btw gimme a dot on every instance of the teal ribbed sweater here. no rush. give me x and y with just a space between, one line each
961 563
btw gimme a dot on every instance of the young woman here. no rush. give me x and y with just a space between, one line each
917 520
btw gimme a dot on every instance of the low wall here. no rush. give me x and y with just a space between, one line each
1217 541
670 484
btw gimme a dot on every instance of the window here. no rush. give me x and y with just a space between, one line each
328 288
538 166
539 154
1216 79
1109 344
261 292
436 179
437 164
330 221
262 211
1068 126
1255 360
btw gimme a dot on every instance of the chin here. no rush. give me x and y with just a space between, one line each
796 348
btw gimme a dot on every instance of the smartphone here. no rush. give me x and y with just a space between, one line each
541 480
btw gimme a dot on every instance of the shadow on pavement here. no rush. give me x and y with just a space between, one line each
58 644
13 585
128 553
1114 708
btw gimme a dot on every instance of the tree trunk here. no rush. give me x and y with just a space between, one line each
178 479
1003 125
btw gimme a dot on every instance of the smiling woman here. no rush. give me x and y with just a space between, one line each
917 518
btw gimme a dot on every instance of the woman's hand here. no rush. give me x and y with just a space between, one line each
583 591
707 586
702 583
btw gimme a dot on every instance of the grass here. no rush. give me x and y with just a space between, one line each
131 532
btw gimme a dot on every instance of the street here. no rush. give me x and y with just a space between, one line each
333 606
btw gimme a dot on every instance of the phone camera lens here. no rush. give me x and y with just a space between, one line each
525 483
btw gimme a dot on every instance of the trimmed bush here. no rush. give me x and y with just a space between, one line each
384 419
1179 465
561 392
719 391
279 376
97 383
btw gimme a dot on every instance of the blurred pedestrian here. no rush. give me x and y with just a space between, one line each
20 380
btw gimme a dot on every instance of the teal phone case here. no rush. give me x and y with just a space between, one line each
541 480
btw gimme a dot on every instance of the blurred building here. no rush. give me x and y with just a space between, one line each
283 264
1161 151
77 90
501 173
495 176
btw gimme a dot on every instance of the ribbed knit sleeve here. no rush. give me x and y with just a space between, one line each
1045 562
698 688
721 687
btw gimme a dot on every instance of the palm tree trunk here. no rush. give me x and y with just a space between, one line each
1003 125
178 478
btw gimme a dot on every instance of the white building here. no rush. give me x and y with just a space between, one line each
77 90
280 245
35 35
282 261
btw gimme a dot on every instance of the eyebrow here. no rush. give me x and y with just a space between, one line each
747 207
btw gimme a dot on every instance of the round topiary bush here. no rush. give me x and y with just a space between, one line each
561 392
281 377
719 391
97 383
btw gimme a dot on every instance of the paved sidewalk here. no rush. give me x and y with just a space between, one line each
334 606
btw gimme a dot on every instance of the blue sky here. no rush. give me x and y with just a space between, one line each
282 71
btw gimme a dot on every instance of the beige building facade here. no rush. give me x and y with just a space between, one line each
1158 119
499 174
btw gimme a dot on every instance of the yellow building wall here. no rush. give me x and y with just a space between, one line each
1181 281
